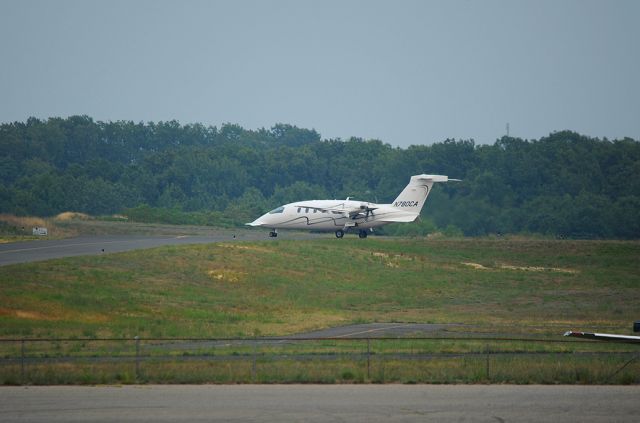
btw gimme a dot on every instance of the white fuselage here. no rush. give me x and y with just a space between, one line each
331 215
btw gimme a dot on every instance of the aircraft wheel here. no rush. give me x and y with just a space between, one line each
339 233
273 234
362 234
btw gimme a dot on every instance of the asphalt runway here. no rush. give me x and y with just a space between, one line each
30 251
320 403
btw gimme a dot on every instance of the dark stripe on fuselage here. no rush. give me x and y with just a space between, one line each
339 222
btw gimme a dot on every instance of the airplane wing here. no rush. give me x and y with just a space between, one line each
604 337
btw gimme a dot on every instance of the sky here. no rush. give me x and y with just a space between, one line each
404 72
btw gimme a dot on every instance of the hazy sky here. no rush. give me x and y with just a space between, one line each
405 72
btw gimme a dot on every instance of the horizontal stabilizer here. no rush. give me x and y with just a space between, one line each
433 178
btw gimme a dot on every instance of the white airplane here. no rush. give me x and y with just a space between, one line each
604 337
614 337
340 216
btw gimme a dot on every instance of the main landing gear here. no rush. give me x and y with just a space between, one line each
273 234
361 233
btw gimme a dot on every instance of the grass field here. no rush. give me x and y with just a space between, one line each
284 287
496 287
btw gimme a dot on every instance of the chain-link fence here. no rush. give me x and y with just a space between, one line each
326 360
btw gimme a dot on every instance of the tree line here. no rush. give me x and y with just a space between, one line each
565 184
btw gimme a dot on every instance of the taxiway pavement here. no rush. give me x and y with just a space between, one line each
320 403
30 251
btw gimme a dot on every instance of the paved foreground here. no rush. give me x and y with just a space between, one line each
320 403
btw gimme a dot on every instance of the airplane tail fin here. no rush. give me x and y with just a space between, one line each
414 195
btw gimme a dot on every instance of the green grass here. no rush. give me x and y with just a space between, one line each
284 287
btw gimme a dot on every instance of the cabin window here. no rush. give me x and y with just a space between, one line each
278 210
306 210
299 208
315 210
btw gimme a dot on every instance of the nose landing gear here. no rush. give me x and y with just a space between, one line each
273 234
362 234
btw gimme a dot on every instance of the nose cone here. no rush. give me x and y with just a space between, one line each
258 222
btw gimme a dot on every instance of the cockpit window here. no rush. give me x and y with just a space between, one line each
278 210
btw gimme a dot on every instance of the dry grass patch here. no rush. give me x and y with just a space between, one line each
69 215
246 247
22 221
478 266
538 269
48 313
226 275
19 228
393 261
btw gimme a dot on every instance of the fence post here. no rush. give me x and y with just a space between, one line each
368 359
22 371
255 358
137 338
487 354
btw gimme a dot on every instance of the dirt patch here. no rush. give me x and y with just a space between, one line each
538 269
476 266
390 260
53 316
246 247
479 266
226 275
25 314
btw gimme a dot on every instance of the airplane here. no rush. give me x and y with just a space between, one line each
342 216
608 336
